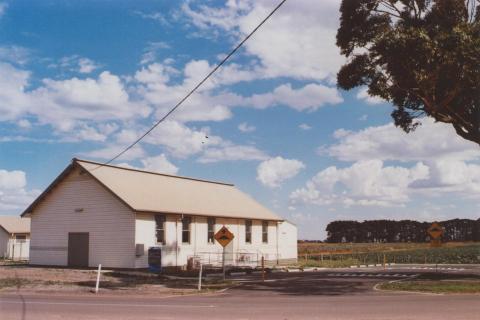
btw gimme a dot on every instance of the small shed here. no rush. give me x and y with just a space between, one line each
14 237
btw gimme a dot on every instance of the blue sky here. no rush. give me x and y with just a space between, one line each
85 78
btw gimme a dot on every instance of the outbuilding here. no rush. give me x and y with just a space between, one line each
102 214
14 237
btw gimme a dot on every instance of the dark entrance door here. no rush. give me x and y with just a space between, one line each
78 249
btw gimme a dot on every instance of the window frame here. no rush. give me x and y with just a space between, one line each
186 231
211 229
160 220
248 231
265 225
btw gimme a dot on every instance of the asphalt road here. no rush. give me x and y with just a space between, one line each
347 294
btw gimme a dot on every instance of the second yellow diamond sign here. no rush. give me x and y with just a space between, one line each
224 236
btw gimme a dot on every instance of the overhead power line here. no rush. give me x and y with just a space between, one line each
221 63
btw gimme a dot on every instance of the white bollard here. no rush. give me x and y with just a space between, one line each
200 278
98 278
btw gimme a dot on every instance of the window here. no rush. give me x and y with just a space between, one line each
211 230
160 228
265 231
21 238
186 221
248 231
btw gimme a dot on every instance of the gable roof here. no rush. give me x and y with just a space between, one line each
144 191
15 224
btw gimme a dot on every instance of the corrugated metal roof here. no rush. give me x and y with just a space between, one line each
145 191
15 224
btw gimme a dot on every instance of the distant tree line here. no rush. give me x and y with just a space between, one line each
400 231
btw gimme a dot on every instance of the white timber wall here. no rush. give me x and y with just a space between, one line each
287 241
110 224
18 249
4 238
176 253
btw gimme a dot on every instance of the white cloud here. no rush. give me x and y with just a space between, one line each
364 183
13 99
76 63
245 127
450 177
3 8
298 41
363 117
24 124
150 54
63 103
232 153
309 98
68 104
274 171
159 164
181 141
430 141
304 126
14 197
362 94
86 65
156 16
14 54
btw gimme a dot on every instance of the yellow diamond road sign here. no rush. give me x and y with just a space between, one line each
224 236
435 231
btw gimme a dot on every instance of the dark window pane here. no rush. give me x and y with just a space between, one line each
265 231
160 228
186 221
248 231
211 230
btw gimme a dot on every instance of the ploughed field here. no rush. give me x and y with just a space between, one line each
347 254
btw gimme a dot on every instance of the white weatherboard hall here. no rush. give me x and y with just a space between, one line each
109 215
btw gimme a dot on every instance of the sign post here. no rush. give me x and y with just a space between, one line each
224 237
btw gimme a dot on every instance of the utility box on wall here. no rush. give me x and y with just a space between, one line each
139 249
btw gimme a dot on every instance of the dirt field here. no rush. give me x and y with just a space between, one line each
35 279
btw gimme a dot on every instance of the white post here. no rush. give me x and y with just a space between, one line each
98 278
223 263
200 278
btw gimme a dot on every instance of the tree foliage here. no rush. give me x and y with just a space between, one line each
423 56
400 231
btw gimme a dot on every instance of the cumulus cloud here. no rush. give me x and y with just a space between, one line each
273 172
66 104
431 141
245 127
309 98
159 164
14 197
299 41
362 94
231 152
304 126
364 183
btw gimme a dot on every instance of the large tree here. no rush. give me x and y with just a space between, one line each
423 56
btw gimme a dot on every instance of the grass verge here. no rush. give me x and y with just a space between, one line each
437 283
434 286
